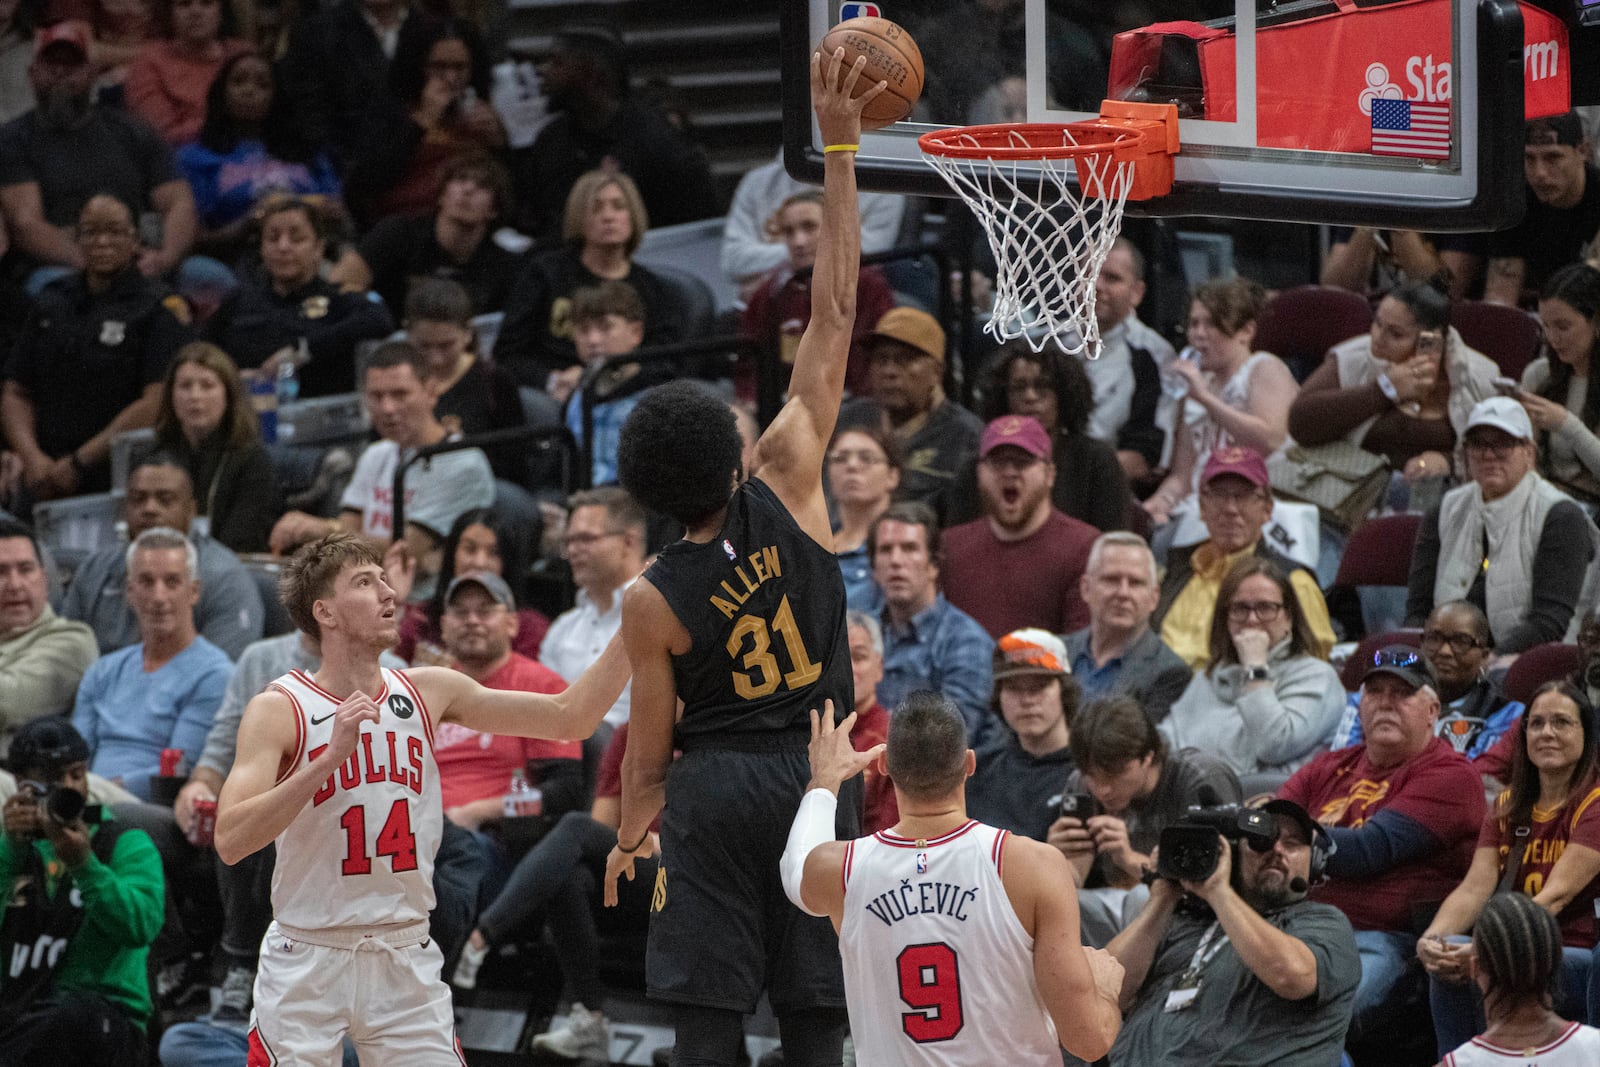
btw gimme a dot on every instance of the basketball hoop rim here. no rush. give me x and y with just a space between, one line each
999 141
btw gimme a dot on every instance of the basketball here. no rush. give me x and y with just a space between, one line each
892 56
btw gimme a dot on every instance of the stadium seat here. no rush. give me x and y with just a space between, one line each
1548 662
1354 667
1379 552
1299 325
1506 335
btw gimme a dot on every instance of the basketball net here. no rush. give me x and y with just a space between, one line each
1050 199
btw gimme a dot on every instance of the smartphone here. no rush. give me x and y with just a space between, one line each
1079 806
1430 343
1507 387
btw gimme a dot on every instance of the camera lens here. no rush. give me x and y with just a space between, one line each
64 805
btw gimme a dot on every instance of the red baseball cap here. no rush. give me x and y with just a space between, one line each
1019 431
1232 459
71 32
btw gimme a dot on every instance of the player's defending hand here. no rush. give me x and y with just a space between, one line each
833 759
619 863
833 96
354 710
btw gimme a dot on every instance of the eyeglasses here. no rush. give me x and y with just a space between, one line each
581 540
1229 496
1460 644
1558 723
1498 449
845 456
1265 610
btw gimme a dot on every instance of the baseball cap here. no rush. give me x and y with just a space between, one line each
1564 129
1019 431
71 32
912 327
1502 413
1030 651
1234 459
1289 809
491 583
1405 663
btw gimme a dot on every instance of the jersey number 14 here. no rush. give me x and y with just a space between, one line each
762 674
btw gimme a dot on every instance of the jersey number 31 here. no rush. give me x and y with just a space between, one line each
761 674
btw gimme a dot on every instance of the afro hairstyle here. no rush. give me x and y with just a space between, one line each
680 452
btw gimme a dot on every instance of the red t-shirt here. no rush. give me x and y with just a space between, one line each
1008 585
414 627
881 810
1438 788
1551 830
475 766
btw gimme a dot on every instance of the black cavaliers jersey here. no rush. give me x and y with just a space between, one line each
764 607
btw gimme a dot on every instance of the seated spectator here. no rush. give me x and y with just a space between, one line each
1563 215
1017 784
248 147
68 149
1402 809
605 221
927 642
1474 715
479 540
436 107
1556 390
880 810
608 320
1236 397
1283 973
1508 541
205 420
599 122
1126 379
1118 653
16 51
455 243
1540 839
1517 952
1139 787
1235 501
162 692
1372 262
863 473
1051 387
475 395
1403 391
167 83
229 614
262 323
779 307
42 656
605 544
749 247
399 394
107 325
1019 564
88 886
937 438
1266 702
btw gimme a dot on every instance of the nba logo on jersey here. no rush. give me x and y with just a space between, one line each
727 546
856 11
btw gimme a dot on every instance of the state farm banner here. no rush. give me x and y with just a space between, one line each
1318 79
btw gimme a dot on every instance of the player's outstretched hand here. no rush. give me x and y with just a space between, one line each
833 759
833 86
354 710
620 863
1107 971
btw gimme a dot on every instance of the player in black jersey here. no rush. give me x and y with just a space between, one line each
743 620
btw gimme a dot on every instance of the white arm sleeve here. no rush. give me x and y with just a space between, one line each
813 825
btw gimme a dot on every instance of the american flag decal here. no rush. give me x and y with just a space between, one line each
1410 128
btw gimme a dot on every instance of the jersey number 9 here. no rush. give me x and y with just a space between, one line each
930 982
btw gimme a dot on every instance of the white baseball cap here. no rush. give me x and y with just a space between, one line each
1504 414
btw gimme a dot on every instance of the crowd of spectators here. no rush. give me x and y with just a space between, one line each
205 214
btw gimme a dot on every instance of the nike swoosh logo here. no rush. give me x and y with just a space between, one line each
318 722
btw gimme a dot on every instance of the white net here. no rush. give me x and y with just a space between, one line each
1049 237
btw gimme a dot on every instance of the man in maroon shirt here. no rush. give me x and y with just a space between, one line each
1403 809
1018 566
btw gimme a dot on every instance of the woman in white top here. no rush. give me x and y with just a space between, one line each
1236 395
1518 948
1562 394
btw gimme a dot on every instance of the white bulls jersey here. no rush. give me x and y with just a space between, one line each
938 970
361 851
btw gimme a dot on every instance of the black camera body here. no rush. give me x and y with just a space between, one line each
63 805
1190 849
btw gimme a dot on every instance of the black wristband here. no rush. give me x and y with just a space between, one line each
637 845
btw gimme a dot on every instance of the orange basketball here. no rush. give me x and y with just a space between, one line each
892 56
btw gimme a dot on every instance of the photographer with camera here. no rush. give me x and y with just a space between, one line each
1243 963
85 903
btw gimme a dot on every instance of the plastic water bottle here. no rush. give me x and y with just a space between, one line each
288 382
1175 385
522 799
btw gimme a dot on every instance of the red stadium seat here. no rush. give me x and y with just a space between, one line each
1299 325
1506 335
1379 552
1548 662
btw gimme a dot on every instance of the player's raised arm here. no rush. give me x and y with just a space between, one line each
255 807
789 454
570 715
812 860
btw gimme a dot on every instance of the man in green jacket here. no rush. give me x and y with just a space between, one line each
85 901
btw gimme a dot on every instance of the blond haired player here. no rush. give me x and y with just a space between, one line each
337 767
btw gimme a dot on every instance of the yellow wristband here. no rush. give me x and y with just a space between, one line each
830 149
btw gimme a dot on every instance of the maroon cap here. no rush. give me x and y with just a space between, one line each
1244 462
71 32
1020 431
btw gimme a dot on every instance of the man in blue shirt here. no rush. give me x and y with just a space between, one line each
927 643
